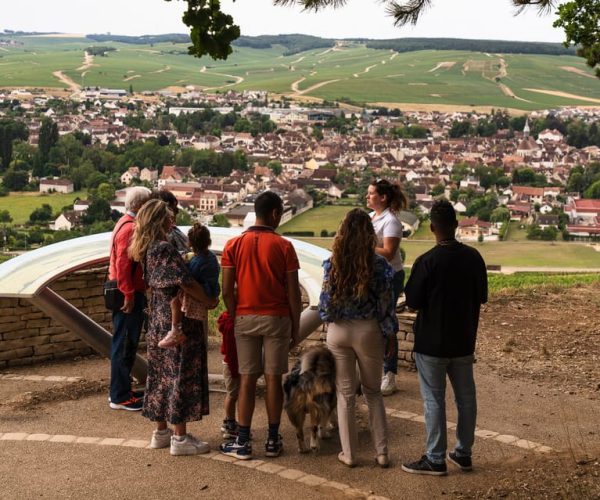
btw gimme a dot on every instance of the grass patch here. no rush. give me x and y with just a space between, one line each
508 254
549 282
20 206
326 217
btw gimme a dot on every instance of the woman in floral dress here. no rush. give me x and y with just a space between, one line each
177 382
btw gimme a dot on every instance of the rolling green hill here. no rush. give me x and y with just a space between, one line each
349 69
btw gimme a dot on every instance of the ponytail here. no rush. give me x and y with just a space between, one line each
395 196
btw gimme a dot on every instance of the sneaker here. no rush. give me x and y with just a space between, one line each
463 463
132 404
346 461
237 450
173 338
388 384
273 448
229 429
383 460
189 445
138 394
161 439
425 466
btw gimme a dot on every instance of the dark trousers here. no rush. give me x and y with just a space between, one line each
126 337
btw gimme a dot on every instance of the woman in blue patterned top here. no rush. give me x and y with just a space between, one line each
356 301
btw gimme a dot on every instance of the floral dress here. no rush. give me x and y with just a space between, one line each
177 382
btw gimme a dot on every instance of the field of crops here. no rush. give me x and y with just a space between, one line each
456 78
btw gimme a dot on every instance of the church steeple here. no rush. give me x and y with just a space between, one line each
526 128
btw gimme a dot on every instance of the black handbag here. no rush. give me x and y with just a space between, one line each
113 297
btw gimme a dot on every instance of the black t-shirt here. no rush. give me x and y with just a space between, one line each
447 285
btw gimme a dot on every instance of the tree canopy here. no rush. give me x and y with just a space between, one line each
212 31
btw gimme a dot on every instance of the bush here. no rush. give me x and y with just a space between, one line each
324 233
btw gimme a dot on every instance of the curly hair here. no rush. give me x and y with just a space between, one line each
352 257
199 237
149 227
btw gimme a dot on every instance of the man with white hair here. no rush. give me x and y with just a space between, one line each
128 322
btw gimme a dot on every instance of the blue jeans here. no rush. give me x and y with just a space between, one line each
125 339
432 380
390 363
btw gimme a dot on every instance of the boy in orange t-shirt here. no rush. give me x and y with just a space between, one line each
266 311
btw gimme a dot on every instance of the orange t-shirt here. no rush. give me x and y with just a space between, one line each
261 259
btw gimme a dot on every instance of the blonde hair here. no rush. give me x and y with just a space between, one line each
149 227
352 257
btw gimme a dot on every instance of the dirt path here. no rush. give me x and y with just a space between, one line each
88 62
132 77
577 71
506 90
67 81
238 79
393 56
295 84
316 86
166 68
443 65
565 94
366 70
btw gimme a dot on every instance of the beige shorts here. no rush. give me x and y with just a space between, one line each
232 385
263 344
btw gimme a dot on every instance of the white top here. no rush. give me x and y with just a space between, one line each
387 225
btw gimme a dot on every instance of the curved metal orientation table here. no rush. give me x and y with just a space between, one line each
29 276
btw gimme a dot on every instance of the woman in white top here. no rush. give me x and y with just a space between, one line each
386 200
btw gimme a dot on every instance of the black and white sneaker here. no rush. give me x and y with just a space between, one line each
425 466
273 448
463 463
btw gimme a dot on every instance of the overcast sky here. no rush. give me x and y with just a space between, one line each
488 19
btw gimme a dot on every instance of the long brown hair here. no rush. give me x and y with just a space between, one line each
149 227
352 257
394 195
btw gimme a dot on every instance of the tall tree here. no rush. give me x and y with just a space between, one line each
10 130
48 138
212 31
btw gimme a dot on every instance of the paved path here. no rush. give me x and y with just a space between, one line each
55 446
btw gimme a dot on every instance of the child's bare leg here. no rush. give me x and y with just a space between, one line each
175 336
230 403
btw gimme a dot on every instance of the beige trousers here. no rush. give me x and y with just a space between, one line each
351 342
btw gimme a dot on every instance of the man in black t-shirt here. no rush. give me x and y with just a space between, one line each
447 286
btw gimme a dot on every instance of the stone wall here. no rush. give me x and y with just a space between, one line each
28 336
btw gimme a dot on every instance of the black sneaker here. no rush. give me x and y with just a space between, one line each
463 463
236 450
273 448
131 404
425 466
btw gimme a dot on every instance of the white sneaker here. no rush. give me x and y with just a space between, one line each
161 439
189 445
388 384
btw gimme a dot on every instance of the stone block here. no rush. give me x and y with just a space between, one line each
410 337
54 330
33 315
9 319
69 294
292 474
55 348
312 480
12 327
7 302
405 346
16 353
26 342
38 323
64 337
41 359
506 439
21 334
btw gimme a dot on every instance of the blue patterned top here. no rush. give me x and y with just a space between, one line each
379 304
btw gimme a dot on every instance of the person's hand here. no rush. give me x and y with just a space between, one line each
128 305
294 339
